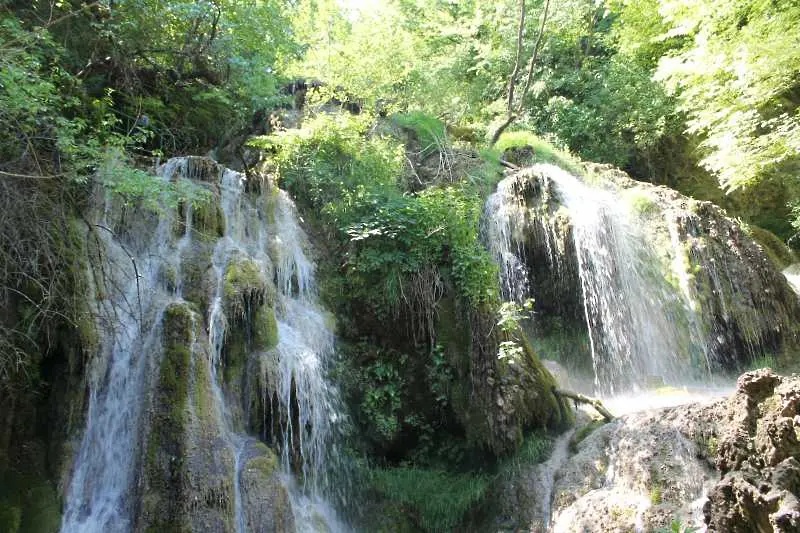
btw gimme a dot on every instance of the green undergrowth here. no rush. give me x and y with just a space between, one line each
429 130
396 242
436 501
536 448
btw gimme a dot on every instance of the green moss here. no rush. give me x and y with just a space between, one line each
202 399
10 518
266 463
640 202
195 275
164 471
208 219
582 432
235 356
245 288
545 409
42 512
265 328
28 501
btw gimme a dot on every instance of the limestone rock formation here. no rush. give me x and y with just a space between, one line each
731 465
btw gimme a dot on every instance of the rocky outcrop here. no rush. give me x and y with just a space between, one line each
731 465
758 454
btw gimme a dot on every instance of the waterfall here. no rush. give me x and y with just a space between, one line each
504 213
638 324
263 230
101 493
305 344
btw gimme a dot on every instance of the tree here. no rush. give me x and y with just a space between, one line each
738 79
514 107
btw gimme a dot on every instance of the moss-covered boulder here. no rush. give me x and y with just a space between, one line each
510 391
264 495
195 274
165 478
247 286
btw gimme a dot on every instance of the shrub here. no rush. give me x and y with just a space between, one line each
429 130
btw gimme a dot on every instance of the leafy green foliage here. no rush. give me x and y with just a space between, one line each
436 500
737 79
330 165
383 387
392 238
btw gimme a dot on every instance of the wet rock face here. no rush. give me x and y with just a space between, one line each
758 456
731 297
638 472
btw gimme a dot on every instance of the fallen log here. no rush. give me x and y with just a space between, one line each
594 402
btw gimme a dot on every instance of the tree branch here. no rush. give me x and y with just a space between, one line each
512 109
594 402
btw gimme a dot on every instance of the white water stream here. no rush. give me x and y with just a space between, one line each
100 497
102 492
639 325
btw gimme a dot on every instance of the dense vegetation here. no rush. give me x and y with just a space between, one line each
391 163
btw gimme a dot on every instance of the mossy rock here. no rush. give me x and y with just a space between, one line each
266 463
207 220
235 355
582 432
265 328
10 518
525 400
777 251
266 502
246 288
165 476
197 275
28 501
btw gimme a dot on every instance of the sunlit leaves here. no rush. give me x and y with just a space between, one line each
738 80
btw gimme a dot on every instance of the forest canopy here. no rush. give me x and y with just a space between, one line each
698 95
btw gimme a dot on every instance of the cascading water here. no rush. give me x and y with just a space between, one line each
105 487
101 492
504 213
636 321
629 309
305 343
308 402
